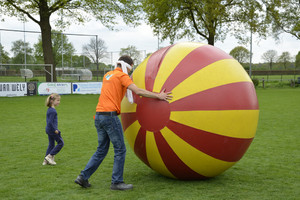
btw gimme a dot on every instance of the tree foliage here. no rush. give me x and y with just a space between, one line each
41 11
20 50
284 16
4 56
241 54
133 53
212 20
270 57
285 58
177 19
297 62
208 19
19 47
95 50
62 50
80 61
250 18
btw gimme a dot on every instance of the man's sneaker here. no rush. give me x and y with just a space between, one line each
83 183
121 186
50 159
45 162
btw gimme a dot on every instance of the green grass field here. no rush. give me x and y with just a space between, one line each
270 169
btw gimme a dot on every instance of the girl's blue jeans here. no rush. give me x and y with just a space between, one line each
52 149
109 129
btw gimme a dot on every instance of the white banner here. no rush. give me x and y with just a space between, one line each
13 89
87 88
49 88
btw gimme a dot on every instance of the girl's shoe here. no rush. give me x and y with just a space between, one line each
45 162
50 159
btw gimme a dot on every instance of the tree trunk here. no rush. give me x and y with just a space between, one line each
271 63
211 39
47 45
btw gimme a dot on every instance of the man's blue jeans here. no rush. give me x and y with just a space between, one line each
109 129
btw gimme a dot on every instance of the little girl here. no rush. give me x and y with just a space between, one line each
51 129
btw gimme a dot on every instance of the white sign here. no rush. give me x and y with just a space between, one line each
87 88
13 89
49 88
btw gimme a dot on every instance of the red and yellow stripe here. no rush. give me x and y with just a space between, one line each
207 126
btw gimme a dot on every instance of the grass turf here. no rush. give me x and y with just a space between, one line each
268 170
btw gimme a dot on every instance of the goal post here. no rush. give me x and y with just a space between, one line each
26 68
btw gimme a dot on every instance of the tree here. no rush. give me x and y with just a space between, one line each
91 50
20 49
133 53
62 49
270 56
285 58
252 19
241 54
80 61
297 62
209 19
284 16
40 12
4 56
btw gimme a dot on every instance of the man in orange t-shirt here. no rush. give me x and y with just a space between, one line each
115 84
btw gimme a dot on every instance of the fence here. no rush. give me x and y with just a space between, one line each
25 71
13 73
276 75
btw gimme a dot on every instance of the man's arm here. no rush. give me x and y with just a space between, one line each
145 93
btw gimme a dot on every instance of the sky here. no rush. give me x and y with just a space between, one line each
141 37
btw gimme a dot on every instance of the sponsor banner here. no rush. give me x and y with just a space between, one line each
13 89
87 88
31 88
49 88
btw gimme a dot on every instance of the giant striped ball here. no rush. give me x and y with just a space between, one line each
208 125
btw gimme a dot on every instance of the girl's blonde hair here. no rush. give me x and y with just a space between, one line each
51 98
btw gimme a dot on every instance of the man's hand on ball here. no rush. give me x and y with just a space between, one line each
165 95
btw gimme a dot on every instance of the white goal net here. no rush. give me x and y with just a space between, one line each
26 70
68 73
26 73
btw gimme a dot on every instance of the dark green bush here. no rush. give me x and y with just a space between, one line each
255 82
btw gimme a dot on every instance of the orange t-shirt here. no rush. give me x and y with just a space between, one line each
113 89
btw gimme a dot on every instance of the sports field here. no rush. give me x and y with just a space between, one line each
270 169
